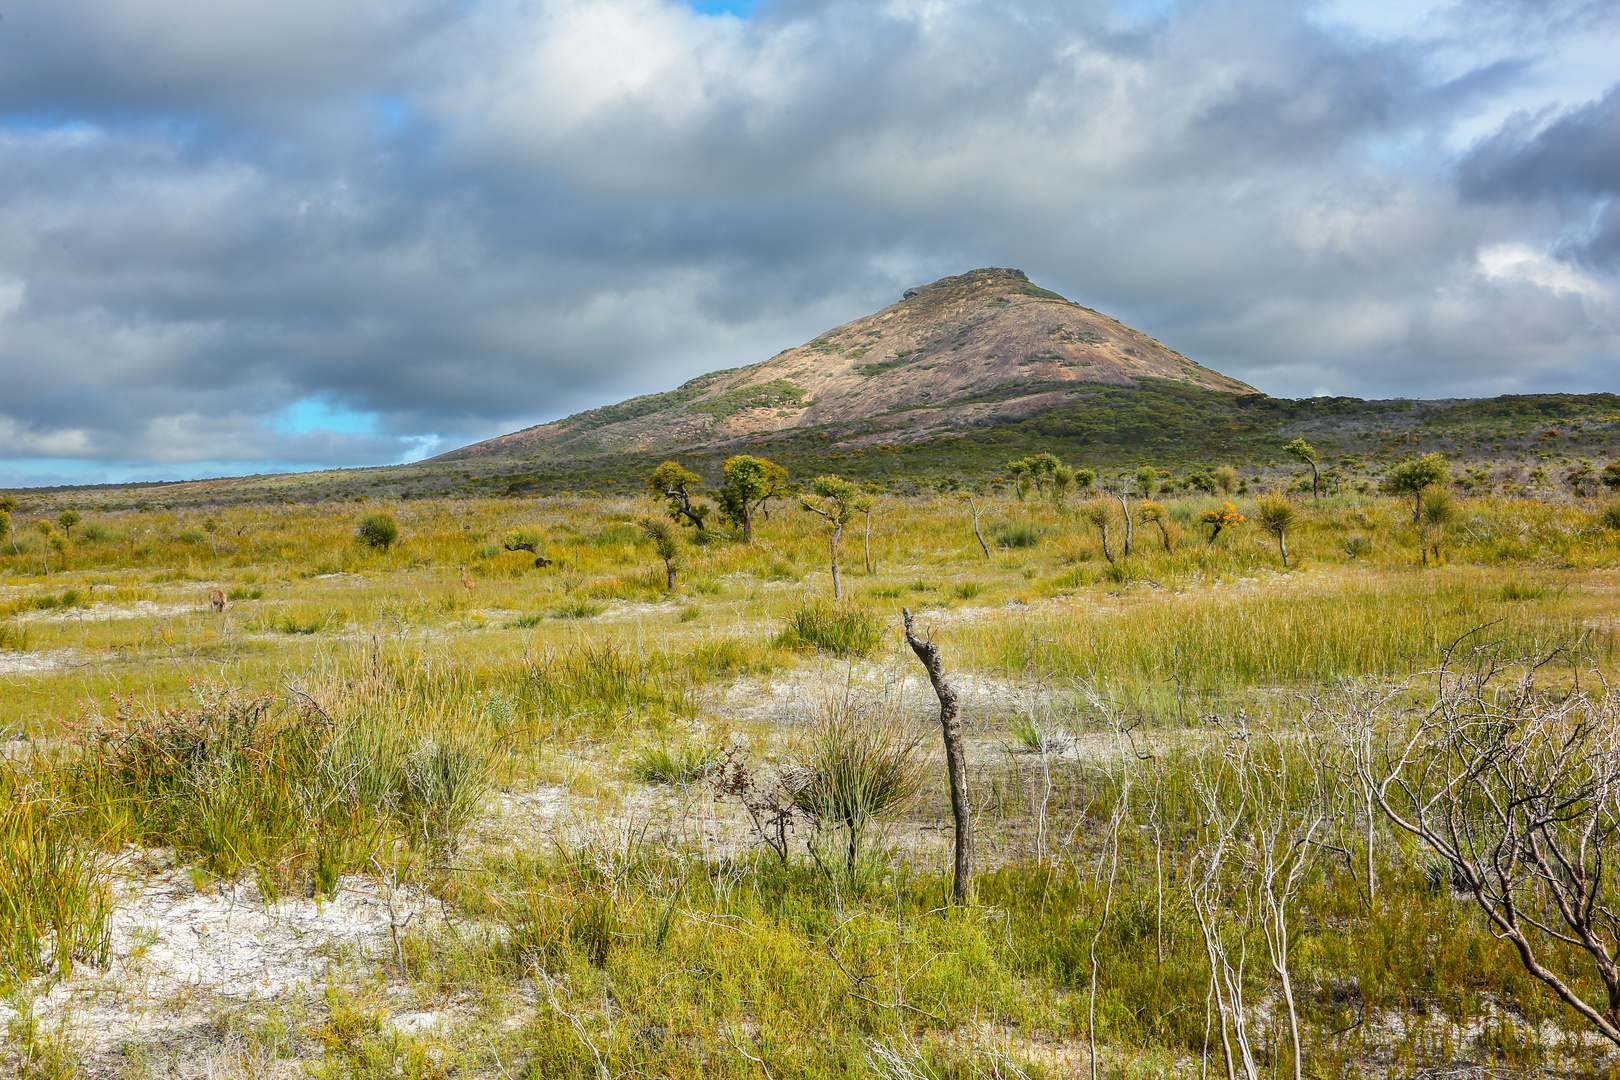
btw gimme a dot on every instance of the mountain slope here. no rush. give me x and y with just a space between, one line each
978 348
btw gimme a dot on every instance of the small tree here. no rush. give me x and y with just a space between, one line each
1411 476
750 482
67 519
1062 484
44 527
1219 520
377 531
678 486
1099 514
1436 511
8 506
210 526
1225 478
663 538
1305 452
836 500
973 508
1019 471
1154 513
864 505
1277 515
1147 479
1084 478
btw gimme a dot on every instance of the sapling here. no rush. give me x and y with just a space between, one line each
44 527
678 485
663 538
837 501
1277 515
1305 452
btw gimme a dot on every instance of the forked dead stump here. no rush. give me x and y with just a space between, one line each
955 762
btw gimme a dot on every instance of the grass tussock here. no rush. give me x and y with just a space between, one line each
836 630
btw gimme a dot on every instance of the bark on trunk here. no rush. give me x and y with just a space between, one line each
955 760
1125 509
832 547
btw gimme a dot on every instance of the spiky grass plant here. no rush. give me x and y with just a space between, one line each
54 899
838 630
858 761
680 763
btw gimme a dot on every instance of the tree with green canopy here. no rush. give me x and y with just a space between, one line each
8 507
67 519
1277 515
749 482
1411 476
1305 452
678 486
836 500
663 538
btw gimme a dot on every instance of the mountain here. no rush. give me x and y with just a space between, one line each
976 349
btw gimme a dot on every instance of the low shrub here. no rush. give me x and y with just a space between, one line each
841 631
665 764
1016 534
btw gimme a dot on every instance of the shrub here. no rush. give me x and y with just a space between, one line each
577 609
377 531
858 763
1016 534
1609 517
841 631
663 764
54 902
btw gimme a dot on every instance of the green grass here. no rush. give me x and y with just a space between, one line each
663 763
383 736
839 631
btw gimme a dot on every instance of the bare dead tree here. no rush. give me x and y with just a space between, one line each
973 508
1517 790
955 759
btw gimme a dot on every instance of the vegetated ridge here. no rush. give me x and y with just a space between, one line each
968 351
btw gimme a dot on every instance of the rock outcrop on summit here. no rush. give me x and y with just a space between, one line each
973 349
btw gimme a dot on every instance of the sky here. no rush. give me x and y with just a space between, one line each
245 236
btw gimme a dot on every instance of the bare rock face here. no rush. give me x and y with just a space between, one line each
964 350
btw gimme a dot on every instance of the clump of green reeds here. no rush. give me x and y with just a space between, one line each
858 761
54 900
663 763
1016 534
841 631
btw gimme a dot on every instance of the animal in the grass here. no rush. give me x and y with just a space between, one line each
216 599
466 578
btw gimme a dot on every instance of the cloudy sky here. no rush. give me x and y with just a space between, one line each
251 235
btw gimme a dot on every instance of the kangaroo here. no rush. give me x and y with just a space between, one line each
466 578
216 599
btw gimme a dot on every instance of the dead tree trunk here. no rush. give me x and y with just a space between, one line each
955 761
977 535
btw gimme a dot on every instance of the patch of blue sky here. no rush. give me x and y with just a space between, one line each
1145 10
62 472
316 414
742 9
393 114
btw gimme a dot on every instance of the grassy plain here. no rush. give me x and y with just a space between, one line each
358 715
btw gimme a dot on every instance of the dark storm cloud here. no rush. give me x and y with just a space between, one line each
453 219
1572 162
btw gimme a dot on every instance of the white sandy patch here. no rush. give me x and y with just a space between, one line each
34 663
178 952
139 609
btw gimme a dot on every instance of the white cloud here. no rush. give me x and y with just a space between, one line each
462 218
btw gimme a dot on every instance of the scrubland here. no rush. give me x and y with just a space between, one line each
586 825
